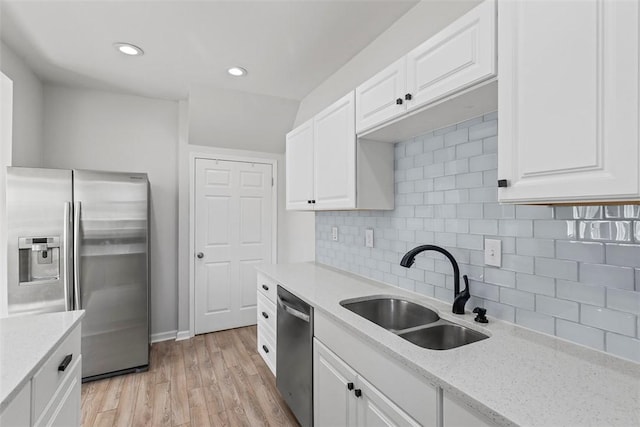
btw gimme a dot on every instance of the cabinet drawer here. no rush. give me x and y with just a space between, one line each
267 348
18 412
268 287
49 378
267 314
64 408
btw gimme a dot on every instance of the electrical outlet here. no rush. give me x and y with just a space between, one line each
368 237
334 234
493 252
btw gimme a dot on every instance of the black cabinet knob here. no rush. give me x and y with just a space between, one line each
408 97
313 201
266 350
349 386
502 183
399 101
265 315
265 287
308 201
358 392
65 362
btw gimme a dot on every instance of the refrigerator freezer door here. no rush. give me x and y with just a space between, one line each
38 240
111 247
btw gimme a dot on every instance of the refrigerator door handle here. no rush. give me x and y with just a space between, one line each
66 241
76 256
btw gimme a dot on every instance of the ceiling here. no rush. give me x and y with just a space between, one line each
288 47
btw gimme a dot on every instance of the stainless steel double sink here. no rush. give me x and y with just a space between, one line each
413 322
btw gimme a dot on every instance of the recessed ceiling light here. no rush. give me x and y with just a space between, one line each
129 49
237 71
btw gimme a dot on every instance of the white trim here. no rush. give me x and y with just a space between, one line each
163 336
199 152
6 144
183 335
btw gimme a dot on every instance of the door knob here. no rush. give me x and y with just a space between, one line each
200 255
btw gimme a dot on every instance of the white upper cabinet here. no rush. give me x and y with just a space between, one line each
382 97
460 56
299 165
334 151
568 95
328 170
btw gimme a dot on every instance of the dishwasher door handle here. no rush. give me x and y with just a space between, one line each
292 311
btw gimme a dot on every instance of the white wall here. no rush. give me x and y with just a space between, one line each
6 130
106 131
233 119
417 25
27 109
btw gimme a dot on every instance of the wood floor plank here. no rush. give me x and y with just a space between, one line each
216 379
127 401
161 405
105 418
178 389
144 403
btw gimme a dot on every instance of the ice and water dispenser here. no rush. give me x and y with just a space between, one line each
39 260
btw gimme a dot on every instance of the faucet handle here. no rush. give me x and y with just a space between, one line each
481 315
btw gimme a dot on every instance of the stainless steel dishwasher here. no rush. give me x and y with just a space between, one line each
294 362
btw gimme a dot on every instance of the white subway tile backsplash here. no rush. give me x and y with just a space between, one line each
569 271
585 335
580 292
557 307
622 346
607 275
536 321
609 320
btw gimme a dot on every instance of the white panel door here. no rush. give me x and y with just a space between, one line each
568 95
299 167
382 97
335 155
459 56
233 209
333 401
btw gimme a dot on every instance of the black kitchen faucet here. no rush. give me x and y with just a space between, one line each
460 298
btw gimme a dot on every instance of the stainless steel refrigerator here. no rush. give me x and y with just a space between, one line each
80 240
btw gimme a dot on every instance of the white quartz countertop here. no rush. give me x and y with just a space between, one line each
25 344
516 377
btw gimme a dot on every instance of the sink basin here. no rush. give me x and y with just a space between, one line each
392 313
443 336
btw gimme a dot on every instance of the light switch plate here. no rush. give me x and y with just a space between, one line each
368 237
334 233
493 252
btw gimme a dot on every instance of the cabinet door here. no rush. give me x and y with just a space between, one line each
18 412
568 95
333 402
377 98
459 56
456 415
299 167
375 409
334 150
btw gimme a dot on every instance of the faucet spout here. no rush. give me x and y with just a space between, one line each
460 297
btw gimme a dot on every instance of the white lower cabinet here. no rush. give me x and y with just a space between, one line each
267 322
52 396
342 397
455 414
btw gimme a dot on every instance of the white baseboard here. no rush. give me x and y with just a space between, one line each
183 335
163 336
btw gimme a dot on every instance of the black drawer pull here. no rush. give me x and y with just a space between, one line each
266 350
265 315
349 386
358 392
265 287
65 362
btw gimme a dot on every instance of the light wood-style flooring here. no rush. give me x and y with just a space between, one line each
216 379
